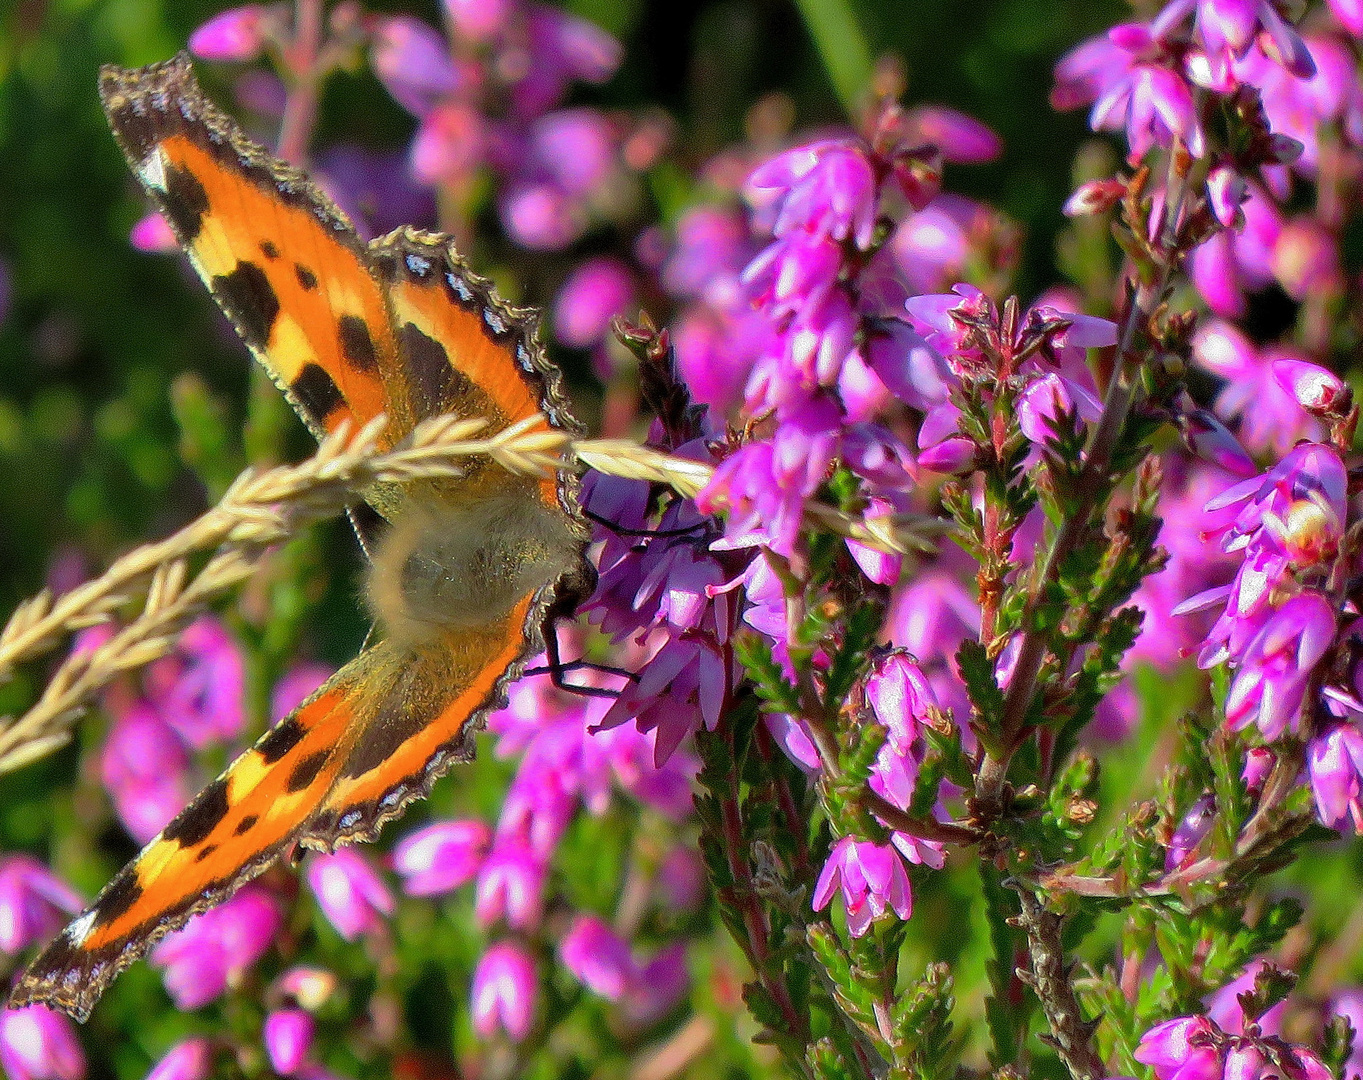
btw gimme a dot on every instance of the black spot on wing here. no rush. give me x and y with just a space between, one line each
306 277
201 817
269 249
118 896
246 824
436 385
185 202
356 344
205 852
316 392
305 772
249 298
279 740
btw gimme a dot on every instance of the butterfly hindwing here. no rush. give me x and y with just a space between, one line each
280 258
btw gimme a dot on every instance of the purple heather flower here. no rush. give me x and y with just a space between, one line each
39 1044
793 272
350 892
237 34
574 149
1276 668
1181 1049
713 245
191 1059
1334 764
598 957
1040 406
504 992
413 62
288 1035
34 902
1226 190
441 857
594 293
200 691
511 886
217 947
932 247
871 877
296 685
900 696
961 139
1196 823
563 48
145 770
825 189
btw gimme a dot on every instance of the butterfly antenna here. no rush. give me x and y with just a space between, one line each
699 528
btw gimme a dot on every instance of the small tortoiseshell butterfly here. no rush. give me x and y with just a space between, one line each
465 572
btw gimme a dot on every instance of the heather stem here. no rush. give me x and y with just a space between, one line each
300 108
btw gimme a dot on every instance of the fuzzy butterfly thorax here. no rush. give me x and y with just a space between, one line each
466 570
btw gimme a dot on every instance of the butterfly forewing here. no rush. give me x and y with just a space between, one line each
348 331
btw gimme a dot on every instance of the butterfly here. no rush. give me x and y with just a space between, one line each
466 573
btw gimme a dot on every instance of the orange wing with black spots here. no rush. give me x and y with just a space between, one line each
465 570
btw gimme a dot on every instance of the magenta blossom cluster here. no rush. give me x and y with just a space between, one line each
1198 1048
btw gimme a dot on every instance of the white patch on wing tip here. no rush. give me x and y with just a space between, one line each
153 170
79 929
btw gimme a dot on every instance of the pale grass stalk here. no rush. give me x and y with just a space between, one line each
262 509
259 510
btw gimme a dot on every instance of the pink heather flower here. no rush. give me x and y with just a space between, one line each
871 877
479 20
1196 823
1224 1010
191 1059
658 986
1270 417
152 233
413 62
598 957
1227 29
310 987
511 887
794 271
1334 764
594 293
932 247
1040 406
237 34
504 992
34 902
1306 260
288 1035
961 139
574 149
825 189
39 1044
297 684
712 247
350 892
217 947
450 143
562 48
1350 15
1226 190
441 857
1181 1049
201 690
1274 672
1318 391
540 216
900 696
1348 1003
1236 261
